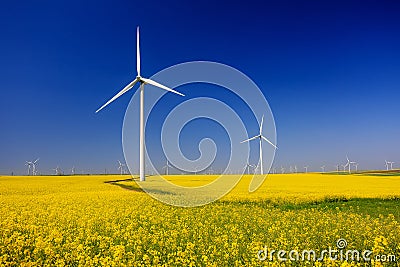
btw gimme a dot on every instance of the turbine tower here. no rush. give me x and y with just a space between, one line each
386 162
261 138
142 81
306 169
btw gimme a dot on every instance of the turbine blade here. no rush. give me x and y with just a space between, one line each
269 142
36 160
261 125
123 91
156 84
137 52
247 140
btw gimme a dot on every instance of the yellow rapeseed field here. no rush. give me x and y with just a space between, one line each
83 221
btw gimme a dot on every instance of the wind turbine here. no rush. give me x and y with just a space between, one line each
323 168
337 167
32 165
356 165
29 164
348 163
166 167
386 162
391 165
57 170
261 138
306 169
73 170
295 168
142 81
344 167
121 167
282 169
290 169
248 166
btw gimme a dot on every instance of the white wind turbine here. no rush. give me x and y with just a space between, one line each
121 167
73 170
57 170
248 166
32 165
166 167
323 168
295 168
391 165
386 162
29 164
261 138
348 164
356 165
337 167
306 169
344 167
142 81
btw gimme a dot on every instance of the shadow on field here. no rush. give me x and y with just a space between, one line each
136 189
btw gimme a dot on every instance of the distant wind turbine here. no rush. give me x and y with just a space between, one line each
142 81
356 165
391 164
348 164
121 167
306 168
32 166
323 168
248 166
337 167
386 162
166 167
261 138
29 164
57 170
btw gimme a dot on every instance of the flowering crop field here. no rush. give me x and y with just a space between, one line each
90 221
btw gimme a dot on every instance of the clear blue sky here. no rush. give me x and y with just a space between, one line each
329 69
